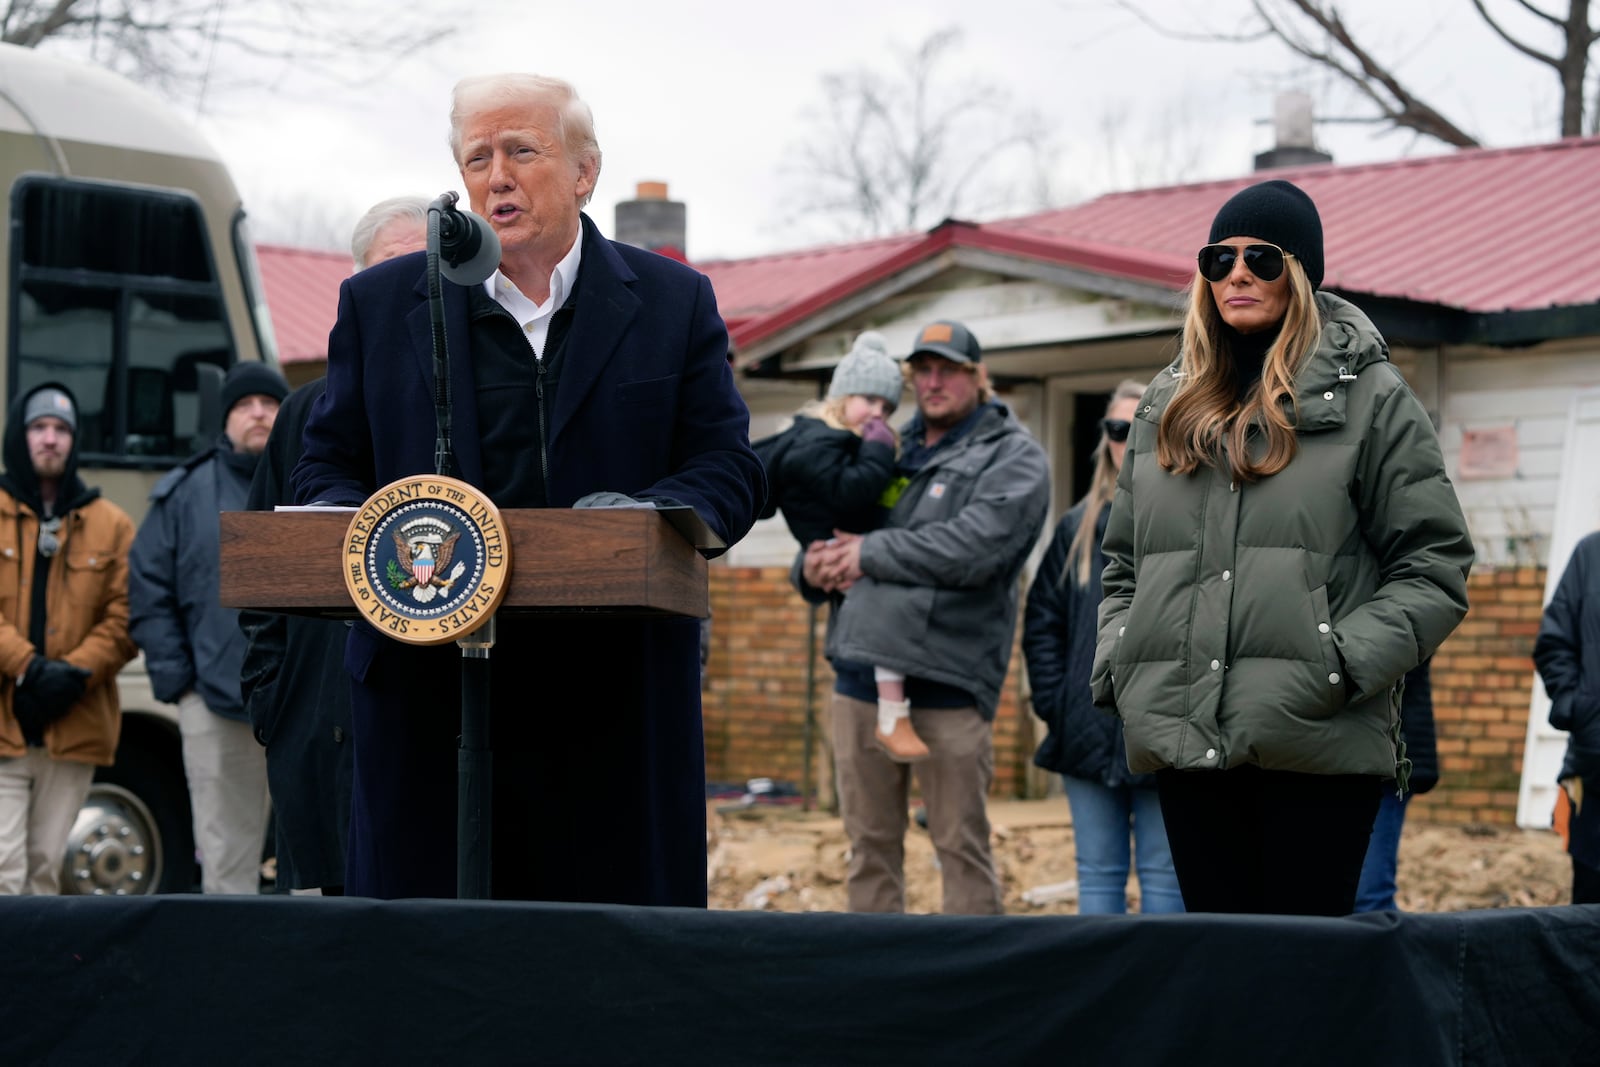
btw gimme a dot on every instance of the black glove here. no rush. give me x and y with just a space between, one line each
52 686
30 716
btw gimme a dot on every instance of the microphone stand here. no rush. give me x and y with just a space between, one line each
475 758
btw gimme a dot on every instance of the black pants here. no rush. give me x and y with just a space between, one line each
1268 842
1585 883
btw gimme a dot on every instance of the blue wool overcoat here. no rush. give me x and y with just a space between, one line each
599 754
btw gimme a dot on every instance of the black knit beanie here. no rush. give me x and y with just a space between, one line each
248 379
1278 212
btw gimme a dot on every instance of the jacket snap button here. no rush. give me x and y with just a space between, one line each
1233 487
1211 753
1322 627
1147 408
1121 630
1226 575
1328 395
1215 664
1333 679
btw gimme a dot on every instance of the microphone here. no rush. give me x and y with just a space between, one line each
469 251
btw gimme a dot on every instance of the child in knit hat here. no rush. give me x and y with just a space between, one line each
828 471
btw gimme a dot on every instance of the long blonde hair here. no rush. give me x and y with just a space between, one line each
1206 416
1102 487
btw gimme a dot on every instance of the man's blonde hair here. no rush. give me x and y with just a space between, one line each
574 120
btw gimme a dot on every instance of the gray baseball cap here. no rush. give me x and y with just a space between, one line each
949 339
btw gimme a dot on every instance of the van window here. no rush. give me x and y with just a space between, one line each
114 292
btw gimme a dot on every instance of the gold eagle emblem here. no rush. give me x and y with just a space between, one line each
424 549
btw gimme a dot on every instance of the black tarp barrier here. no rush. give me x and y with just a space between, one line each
291 980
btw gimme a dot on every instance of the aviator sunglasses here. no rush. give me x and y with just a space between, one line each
1264 261
1115 429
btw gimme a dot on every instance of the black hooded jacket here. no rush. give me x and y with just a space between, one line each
824 479
298 694
19 478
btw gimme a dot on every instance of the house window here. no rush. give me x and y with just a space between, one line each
114 293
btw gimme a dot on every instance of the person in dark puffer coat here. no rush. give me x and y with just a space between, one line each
1567 653
1111 808
1284 546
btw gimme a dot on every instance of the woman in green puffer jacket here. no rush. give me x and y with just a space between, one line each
1283 546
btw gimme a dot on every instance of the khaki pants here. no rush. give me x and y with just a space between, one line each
874 793
39 802
227 772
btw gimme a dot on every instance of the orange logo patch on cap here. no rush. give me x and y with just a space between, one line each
939 331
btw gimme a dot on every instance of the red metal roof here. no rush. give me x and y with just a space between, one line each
302 291
1483 230
754 289
1416 229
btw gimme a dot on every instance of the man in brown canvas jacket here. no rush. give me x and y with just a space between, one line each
63 636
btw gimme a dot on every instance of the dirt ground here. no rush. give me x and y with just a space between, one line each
784 859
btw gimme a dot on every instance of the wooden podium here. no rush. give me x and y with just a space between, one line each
627 561
615 561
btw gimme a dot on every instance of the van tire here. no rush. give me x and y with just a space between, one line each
139 803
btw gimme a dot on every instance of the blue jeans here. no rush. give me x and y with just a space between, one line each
1376 890
1103 821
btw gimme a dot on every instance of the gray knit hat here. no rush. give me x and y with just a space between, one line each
51 401
868 370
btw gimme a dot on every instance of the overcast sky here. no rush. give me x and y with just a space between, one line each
710 97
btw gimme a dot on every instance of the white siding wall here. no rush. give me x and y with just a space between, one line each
1511 518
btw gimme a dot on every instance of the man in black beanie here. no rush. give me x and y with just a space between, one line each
192 645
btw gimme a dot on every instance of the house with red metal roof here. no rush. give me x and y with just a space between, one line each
1482 269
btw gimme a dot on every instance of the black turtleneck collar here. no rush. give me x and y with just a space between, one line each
1248 352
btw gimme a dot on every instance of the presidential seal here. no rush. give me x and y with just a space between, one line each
427 559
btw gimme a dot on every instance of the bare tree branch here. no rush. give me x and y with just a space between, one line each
1207 36
1373 79
889 154
1317 33
177 46
1530 52
1530 9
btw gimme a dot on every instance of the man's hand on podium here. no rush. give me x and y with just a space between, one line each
610 500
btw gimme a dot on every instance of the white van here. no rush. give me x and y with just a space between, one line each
125 272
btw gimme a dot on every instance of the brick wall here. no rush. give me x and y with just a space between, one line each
755 696
1482 682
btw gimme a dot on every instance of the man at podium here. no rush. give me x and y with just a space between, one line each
583 372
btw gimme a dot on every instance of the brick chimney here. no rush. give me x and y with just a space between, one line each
652 221
1292 130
